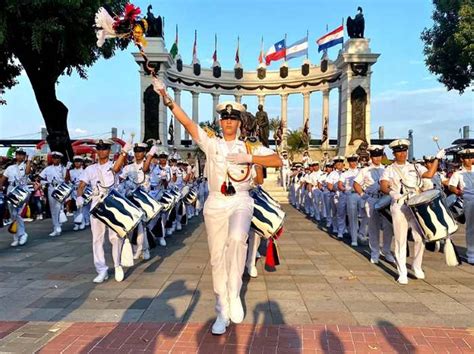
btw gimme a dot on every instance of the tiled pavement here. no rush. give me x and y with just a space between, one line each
325 295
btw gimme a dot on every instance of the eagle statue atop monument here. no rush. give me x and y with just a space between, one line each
355 27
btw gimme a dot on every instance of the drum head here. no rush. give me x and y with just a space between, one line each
424 197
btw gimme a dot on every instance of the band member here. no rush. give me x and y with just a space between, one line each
462 184
75 178
306 159
101 176
229 207
314 191
134 175
402 180
175 154
53 176
17 175
338 209
366 185
439 181
327 206
285 170
348 199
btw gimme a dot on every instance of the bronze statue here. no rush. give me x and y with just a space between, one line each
263 125
356 26
155 24
248 123
305 135
151 101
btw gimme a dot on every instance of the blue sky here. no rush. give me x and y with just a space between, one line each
404 94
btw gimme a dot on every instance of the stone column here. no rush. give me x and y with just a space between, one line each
163 115
215 102
261 100
177 124
306 113
325 118
339 109
195 107
284 116
238 98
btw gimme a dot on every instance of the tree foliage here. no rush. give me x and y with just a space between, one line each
449 45
295 142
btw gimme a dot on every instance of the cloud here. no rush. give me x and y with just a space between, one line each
401 83
80 131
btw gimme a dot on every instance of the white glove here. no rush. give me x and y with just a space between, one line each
239 159
79 202
395 196
127 147
159 86
68 165
152 151
441 154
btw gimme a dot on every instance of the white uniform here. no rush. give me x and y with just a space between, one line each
134 176
227 218
16 176
349 202
317 194
54 176
75 175
338 210
327 211
368 178
100 178
402 217
285 170
160 176
464 180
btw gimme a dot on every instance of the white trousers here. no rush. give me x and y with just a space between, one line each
254 243
340 202
352 205
142 240
317 203
292 195
86 212
376 222
227 221
55 208
284 178
15 215
403 219
98 235
328 207
469 214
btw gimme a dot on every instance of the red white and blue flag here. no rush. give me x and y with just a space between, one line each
276 52
331 39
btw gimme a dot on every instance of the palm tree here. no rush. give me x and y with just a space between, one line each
295 142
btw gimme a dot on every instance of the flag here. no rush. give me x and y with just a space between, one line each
214 56
171 130
331 39
276 52
297 49
261 56
174 48
237 55
195 58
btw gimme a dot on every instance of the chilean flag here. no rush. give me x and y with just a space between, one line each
276 52
331 39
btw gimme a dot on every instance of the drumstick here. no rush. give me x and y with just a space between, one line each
435 139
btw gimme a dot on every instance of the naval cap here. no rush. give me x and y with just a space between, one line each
230 109
399 145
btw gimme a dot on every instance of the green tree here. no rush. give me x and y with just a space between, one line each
449 45
295 142
50 38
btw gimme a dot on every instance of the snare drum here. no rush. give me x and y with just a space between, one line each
191 197
18 196
267 218
87 195
167 200
62 191
456 206
144 201
434 219
382 206
118 213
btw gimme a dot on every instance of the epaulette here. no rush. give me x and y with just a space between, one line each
251 146
211 133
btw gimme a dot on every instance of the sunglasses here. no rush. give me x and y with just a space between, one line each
230 118
102 147
139 149
250 139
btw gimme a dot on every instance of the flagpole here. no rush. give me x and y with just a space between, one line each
326 50
342 44
307 40
285 46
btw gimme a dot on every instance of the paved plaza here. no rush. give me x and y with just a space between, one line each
324 296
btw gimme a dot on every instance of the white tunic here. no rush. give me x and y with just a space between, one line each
369 177
347 178
408 173
100 178
16 175
464 180
54 175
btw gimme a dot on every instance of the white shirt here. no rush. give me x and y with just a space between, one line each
333 178
159 173
175 155
54 175
135 176
216 150
368 178
286 163
314 177
347 178
409 173
464 180
75 175
100 178
16 175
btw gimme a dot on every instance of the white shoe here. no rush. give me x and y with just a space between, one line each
69 214
82 227
23 238
88 224
470 260
403 280
253 272
58 230
389 258
146 255
258 255
236 310
419 274
169 232
162 241
339 235
54 234
136 255
196 213
354 243
374 260
119 274
76 227
220 325
101 277
39 217
15 242
179 227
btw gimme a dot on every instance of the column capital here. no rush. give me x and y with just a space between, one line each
284 96
176 90
306 94
326 92
215 94
195 94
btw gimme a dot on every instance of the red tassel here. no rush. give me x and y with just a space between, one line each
224 188
276 253
278 234
269 260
